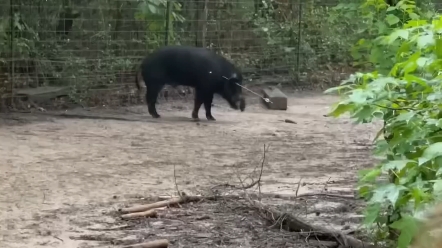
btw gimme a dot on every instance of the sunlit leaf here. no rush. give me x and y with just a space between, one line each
340 109
392 19
370 175
437 186
425 40
433 151
398 33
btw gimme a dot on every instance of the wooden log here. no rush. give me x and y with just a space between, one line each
161 243
278 100
152 213
171 202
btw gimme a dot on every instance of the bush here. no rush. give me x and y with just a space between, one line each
404 91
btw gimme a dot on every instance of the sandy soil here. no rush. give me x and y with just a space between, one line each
59 176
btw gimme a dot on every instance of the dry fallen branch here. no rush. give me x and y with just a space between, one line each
171 202
286 220
291 222
227 185
161 243
152 213
350 197
294 224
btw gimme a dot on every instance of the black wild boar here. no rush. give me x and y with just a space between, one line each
200 68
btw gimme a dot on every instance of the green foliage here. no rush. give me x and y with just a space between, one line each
321 36
154 15
404 91
108 38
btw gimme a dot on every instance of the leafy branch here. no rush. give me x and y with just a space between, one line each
404 91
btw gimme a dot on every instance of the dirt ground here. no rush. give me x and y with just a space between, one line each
62 177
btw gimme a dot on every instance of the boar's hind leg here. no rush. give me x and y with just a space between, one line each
151 99
208 106
197 104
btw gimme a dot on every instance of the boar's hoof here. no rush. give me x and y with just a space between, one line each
210 118
242 105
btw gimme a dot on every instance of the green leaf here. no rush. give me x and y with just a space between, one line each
414 16
422 62
397 164
413 78
371 213
152 8
390 191
371 175
437 186
340 109
408 226
405 116
391 8
364 114
423 160
415 23
419 196
404 34
433 151
425 40
435 96
438 50
364 191
359 96
392 19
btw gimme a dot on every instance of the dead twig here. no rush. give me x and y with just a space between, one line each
297 188
227 185
262 168
174 180
58 239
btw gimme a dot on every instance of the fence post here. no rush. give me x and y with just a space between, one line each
168 10
298 67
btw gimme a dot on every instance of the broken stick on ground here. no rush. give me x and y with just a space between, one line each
161 243
152 213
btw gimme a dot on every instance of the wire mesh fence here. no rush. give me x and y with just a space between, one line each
92 48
